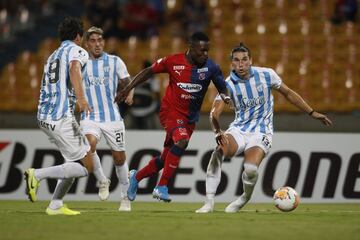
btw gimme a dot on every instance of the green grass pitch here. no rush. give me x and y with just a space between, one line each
171 221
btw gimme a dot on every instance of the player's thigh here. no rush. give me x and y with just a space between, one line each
68 137
92 131
257 147
236 142
114 134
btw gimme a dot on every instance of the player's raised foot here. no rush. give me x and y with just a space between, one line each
64 210
133 185
125 205
207 208
104 189
32 184
236 205
161 193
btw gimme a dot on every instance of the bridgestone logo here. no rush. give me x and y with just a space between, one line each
189 87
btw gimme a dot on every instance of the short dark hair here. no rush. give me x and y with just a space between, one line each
240 48
69 28
198 36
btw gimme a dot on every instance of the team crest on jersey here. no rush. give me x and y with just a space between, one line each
107 69
179 121
202 76
259 88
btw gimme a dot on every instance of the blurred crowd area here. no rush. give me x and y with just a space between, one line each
312 44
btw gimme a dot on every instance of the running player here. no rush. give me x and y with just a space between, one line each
190 74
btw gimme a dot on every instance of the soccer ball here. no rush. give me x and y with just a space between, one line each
286 199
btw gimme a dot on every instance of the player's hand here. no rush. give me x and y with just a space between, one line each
84 106
122 95
129 99
225 98
221 139
323 118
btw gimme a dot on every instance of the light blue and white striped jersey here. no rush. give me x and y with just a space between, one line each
253 100
57 96
101 77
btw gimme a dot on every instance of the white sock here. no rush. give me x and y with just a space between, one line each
122 172
62 187
213 174
98 170
66 170
249 178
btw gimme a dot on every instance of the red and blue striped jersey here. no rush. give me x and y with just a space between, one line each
187 84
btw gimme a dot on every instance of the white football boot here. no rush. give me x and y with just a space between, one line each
104 189
207 208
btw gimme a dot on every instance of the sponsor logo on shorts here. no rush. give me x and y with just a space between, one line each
46 125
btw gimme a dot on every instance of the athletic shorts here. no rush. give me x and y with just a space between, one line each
113 132
67 136
176 127
246 140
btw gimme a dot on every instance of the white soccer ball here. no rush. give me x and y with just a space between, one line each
286 199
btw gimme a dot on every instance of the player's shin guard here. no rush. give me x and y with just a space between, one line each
66 170
249 178
122 172
171 164
62 187
98 170
213 174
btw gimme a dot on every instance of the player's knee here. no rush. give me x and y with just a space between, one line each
182 143
119 160
250 171
119 157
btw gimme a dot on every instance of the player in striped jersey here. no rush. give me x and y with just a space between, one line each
61 89
102 76
252 129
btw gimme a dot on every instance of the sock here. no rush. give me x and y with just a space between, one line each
62 187
122 172
98 170
171 163
153 167
213 174
66 170
249 178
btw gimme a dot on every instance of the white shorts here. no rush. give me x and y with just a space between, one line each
114 132
67 136
246 140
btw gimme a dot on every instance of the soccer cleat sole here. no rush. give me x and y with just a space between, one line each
162 199
26 177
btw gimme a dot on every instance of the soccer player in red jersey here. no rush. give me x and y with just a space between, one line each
190 74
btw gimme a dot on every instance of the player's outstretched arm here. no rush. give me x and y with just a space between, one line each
141 77
76 81
299 102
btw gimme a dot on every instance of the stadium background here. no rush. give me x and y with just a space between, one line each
315 54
